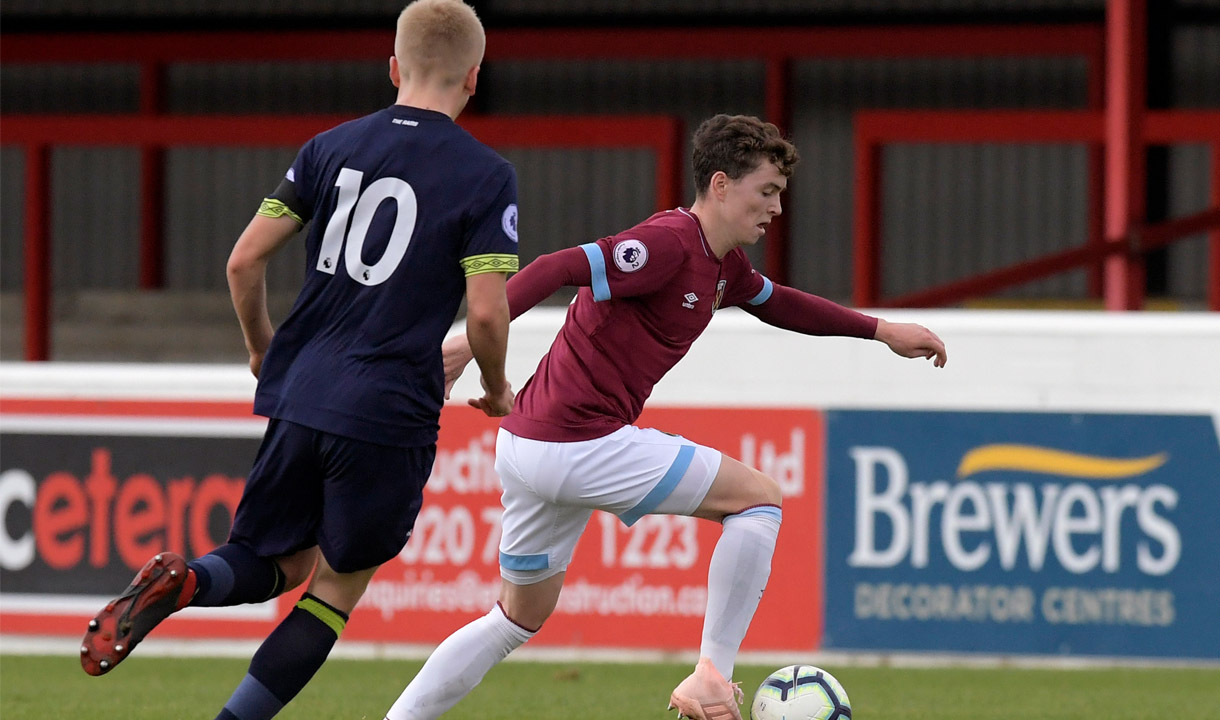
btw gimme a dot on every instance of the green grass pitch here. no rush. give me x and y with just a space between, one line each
144 688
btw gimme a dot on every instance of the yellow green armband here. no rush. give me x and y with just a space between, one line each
273 208
492 262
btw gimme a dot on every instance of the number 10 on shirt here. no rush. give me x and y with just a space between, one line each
359 208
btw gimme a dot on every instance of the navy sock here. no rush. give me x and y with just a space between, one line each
232 575
286 661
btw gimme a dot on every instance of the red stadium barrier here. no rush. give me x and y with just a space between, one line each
874 129
1118 234
777 48
152 133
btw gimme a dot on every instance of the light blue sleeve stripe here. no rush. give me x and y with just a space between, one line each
662 489
764 294
524 562
597 264
762 510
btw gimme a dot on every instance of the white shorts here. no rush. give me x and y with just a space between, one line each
552 488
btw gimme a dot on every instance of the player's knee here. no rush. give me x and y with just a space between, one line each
297 567
768 492
294 580
529 597
525 616
737 491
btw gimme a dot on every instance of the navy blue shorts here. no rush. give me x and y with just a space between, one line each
357 501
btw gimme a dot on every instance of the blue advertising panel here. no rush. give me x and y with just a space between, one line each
1091 534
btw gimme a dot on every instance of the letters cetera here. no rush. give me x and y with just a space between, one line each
1058 515
76 520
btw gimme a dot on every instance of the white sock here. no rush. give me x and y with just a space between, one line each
736 578
458 665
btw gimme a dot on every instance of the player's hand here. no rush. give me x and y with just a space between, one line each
494 404
256 363
912 341
456 355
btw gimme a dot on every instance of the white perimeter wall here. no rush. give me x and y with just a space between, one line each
1019 361
998 360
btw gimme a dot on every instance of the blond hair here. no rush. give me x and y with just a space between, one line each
439 39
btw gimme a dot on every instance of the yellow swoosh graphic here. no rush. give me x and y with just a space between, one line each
1030 458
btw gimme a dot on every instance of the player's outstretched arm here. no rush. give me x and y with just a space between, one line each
536 282
247 274
799 311
540 279
912 341
802 312
487 335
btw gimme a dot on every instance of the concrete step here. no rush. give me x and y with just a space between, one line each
135 326
76 341
136 306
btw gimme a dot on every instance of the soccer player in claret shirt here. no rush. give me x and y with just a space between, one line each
569 445
409 213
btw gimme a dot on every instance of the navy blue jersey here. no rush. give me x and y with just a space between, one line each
405 205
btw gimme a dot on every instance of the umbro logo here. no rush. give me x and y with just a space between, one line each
690 300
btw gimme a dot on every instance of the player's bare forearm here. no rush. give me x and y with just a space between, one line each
248 289
488 338
247 276
487 327
912 341
488 345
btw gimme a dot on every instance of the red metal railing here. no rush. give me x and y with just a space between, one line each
777 48
873 129
663 135
1118 234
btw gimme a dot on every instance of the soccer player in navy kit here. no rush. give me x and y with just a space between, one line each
409 213
569 445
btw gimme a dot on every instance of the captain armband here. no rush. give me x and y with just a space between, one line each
284 201
274 208
491 262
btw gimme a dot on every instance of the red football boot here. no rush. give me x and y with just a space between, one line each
162 586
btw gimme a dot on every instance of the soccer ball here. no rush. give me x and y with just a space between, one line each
800 692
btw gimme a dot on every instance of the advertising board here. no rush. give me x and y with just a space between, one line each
89 490
1023 533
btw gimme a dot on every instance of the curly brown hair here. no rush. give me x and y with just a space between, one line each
737 145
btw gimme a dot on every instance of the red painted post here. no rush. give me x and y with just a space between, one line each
152 185
866 265
777 249
1126 60
37 252
669 164
1213 241
152 218
1096 101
